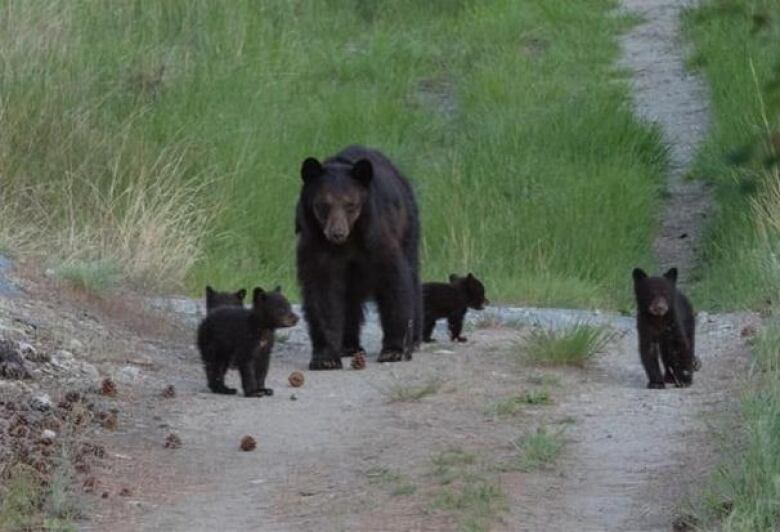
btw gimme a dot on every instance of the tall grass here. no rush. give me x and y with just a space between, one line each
736 44
507 115
572 346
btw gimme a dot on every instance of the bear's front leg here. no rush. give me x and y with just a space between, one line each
455 322
648 352
395 300
323 307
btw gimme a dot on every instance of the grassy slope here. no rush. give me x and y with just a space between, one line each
529 167
738 265
736 44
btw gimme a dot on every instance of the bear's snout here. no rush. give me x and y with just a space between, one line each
290 320
659 307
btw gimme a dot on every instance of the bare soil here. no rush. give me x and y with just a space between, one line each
665 93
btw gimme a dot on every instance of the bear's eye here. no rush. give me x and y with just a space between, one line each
321 208
352 207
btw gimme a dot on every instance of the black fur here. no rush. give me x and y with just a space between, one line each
451 300
666 326
215 299
233 336
358 232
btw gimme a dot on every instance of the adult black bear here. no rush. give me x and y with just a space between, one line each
666 326
451 300
215 299
358 233
232 336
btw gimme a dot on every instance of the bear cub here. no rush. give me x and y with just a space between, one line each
232 336
215 299
451 300
666 327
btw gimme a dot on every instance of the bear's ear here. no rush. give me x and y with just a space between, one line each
671 275
258 294
310 169
453 277
363 171
639 274
241 294
209 290
278 289
470 276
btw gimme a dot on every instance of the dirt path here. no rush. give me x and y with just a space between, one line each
664 92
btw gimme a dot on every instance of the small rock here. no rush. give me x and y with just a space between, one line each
33 355
107 420
48 434
89 370
172 441
125 492
128 374
75 345
248 443
42 402
293 397
62 359
105 495
169 392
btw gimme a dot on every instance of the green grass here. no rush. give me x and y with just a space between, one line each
521 125
539 449
572 346
511 406
29 504
738 59
96 276
745 490
392 480
404 393
474 500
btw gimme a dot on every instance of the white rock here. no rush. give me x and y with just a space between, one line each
128 374
90 371
75 345
62 358
48 434
41 402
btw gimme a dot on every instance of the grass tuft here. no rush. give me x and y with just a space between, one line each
404 393
539 449
572 346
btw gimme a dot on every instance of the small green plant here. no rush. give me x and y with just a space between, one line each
394 481
572 346
513 405
20 499
464 491
538 449
93 276
450 464
401 393
477 501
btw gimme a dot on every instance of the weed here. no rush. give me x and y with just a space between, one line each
539 449
96 276
513 405
573 346
401 393
393 481
475 500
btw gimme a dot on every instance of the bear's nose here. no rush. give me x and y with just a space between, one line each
337 237
658 307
